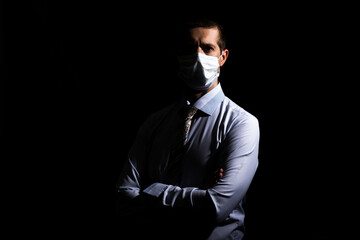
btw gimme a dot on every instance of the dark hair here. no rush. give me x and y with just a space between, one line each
206 23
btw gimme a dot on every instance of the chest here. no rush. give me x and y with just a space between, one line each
199 156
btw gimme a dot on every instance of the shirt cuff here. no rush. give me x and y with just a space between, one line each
155 189
197 197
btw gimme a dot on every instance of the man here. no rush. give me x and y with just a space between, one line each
190 184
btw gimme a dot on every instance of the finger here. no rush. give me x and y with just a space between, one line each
220 173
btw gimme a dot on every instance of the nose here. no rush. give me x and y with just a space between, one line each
200 50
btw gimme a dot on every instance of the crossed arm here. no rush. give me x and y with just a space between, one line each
224 190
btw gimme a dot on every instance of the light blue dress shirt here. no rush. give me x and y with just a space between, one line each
222 135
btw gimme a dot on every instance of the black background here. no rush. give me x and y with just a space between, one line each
81 77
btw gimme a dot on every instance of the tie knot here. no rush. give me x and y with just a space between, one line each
190 112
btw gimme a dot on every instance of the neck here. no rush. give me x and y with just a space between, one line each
193 96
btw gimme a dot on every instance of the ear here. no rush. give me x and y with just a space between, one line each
224 55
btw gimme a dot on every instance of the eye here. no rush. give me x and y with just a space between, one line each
208 48
187 48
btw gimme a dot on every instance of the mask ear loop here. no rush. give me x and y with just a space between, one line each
219 59
220 55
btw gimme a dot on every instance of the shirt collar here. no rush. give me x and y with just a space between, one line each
210 101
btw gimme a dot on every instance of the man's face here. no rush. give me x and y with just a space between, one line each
201 40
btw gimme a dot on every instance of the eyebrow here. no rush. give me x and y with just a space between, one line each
208 44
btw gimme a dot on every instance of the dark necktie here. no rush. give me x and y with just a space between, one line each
177 153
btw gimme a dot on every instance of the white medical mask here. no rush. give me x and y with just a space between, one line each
198 71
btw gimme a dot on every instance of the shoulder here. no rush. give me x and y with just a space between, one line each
243 127
237 114
157 117
162 113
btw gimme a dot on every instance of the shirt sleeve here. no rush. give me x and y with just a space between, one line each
238 155
128 187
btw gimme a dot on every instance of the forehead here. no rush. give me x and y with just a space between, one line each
209 35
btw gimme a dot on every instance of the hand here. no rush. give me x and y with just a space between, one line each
214 178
